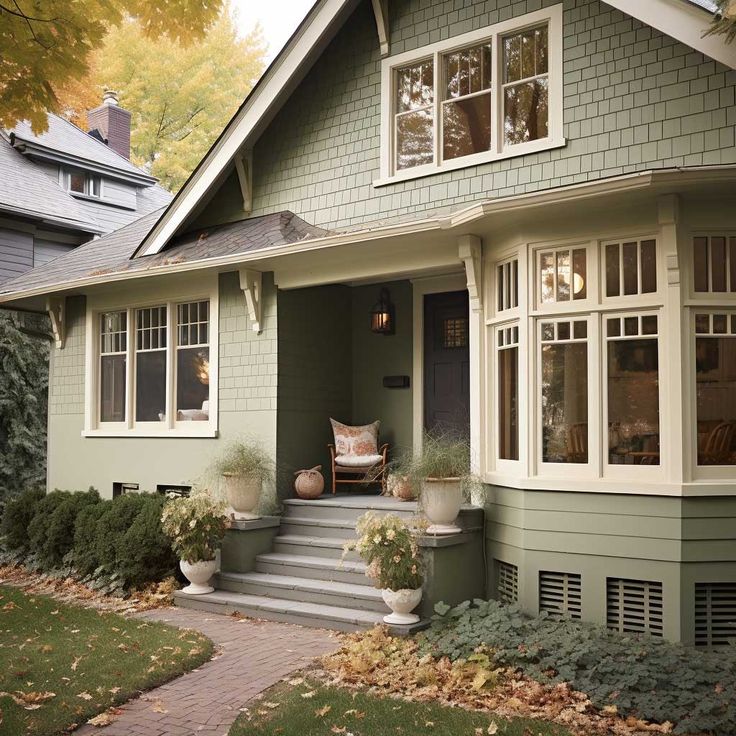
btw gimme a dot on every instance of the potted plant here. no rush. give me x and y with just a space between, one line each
244 466
389 547
441 471
196 526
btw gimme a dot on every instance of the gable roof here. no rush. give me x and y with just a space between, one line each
26 190
111 254
63 138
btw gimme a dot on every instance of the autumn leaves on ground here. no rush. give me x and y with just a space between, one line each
62 665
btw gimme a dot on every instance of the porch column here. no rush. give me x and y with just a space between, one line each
470 252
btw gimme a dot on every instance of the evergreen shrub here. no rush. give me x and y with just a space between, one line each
17 516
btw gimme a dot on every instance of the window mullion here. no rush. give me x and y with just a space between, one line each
438 78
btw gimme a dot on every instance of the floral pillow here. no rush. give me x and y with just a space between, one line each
361 440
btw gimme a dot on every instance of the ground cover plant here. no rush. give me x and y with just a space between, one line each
307 708
62 664
637 676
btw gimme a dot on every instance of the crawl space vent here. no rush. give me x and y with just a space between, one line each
715 614
634 606
507 582
559 593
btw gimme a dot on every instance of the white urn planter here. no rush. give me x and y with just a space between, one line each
198 574
243 492
441 502
402 603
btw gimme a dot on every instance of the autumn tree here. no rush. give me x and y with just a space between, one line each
180 97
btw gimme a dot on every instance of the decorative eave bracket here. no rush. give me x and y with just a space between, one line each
469 250
244 169
668 217
380 10
251 282
57 315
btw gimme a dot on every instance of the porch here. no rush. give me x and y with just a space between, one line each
291 568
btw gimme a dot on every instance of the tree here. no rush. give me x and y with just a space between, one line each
23 395
180 97
46 43
724 20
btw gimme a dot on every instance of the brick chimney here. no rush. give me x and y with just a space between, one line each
111 124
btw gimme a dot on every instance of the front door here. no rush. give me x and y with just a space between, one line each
446 364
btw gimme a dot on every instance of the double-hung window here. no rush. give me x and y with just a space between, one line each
485 95
153 371
77 181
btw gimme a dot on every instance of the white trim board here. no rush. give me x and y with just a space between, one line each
683 21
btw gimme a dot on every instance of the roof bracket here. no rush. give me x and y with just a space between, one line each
469 250
251 282
380 10
244 168
57 315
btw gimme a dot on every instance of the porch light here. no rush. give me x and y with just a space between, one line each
382 315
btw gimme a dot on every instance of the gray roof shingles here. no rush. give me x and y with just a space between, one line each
113 253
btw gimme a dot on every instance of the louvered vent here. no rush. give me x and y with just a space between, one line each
715 614
634 606
507 582
559 593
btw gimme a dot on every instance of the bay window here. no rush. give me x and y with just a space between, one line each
485 95
508 392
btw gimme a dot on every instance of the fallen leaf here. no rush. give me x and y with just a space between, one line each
271 705
102 720
322 712
158 707
296 681
85 696
492 728
75 663
310 694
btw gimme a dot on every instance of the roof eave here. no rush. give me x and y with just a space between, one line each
61 222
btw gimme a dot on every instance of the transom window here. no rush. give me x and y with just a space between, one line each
631 268
481 96
714 264
562 275
507 285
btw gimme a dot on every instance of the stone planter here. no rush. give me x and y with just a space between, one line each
399 486
441 502
309 484
198 574
402 603
243 492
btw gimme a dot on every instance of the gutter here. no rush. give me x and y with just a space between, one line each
467 216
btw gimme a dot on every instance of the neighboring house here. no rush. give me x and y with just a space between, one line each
63 187
546 190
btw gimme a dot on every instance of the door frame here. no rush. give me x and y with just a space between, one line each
420 288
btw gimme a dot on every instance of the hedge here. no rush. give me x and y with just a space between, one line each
117 544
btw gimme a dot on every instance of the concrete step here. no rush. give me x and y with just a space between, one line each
313 546
311 567
318 527
347 507
288 611
324 592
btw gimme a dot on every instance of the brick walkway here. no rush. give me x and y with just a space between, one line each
253 656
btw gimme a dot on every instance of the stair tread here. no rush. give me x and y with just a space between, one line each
309 521
312 541
323 563
280 605
289 581
377 503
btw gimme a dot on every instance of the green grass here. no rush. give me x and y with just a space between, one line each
285 712
87 659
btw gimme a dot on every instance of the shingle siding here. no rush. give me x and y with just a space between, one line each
634 99
66 379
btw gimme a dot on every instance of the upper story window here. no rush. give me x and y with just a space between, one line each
482 96
81 182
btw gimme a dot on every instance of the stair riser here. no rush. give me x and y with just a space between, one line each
337 513
307 596
310 573
312 550
315 622
316 530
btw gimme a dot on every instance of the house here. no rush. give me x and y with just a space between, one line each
63 187
544 192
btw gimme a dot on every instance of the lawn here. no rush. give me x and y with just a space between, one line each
309 709
62 664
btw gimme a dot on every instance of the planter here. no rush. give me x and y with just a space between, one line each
198 574
309 484
400 487
402 603
243 492
441 502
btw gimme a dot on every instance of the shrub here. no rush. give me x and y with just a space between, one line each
643 676
17 516
195 525
84 551
118 517
51 531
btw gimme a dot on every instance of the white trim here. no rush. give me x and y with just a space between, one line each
380 11
498 151
683 21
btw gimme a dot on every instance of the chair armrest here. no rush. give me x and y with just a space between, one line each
332 451
383 450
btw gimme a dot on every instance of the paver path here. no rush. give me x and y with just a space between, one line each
253 656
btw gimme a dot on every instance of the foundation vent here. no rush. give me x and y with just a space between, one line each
634 606
559 593
507 582
715 614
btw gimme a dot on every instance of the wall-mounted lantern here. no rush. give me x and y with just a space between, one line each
382 315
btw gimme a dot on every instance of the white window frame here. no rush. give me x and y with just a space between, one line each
652 473
134 372
573 305
505 465
204 288
98 355
490 34
706 297
624 300
65 176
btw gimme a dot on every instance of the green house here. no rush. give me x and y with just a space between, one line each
544 192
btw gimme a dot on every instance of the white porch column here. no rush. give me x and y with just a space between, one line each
470 252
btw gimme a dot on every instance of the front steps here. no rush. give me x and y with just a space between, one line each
302 576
